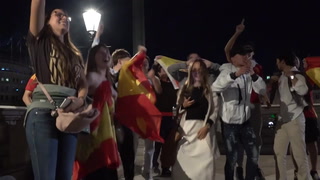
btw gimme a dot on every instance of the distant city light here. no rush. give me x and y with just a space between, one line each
17 90
2 69
7 79
268 77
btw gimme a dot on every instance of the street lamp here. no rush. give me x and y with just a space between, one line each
91 20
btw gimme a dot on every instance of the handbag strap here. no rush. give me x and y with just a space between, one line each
176 117
44 90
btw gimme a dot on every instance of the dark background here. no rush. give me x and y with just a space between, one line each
177 27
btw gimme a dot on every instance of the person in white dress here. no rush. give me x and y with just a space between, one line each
197 147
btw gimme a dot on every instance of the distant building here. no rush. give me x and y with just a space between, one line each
13 79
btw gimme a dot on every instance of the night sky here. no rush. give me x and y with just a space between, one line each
177 27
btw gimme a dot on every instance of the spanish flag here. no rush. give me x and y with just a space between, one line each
313 69
99 148
32 83
135 103
165 62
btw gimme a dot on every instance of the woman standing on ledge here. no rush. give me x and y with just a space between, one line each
58 65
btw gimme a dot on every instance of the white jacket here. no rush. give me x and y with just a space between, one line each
233 109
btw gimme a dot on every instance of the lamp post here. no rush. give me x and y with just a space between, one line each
91 19
138 24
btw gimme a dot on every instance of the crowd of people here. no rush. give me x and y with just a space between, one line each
211 99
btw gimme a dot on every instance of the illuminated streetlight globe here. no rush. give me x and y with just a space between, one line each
91 20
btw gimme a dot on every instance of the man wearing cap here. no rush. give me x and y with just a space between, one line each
235 84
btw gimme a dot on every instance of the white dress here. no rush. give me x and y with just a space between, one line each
196 158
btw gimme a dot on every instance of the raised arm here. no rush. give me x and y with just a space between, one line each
37 15
173 70
96 39
223 81
239 29
227 77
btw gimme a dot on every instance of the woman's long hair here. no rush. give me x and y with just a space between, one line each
70 55
187 88
91 65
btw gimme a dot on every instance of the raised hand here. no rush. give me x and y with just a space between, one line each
249 64
243 70
207 62
142 48
240 28
100 30
158 57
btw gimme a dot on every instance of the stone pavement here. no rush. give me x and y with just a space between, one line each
266 163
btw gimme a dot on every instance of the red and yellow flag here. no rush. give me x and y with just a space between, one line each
135 104
32 83
165 62
99 148
313 69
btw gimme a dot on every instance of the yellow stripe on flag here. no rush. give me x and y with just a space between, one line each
165 62
142 124
103 132
314 75
33 77
132 86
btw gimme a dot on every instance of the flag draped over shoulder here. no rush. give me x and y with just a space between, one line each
313 69
165 62
135 103
99 148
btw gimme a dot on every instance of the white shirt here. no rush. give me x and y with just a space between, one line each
289 109
233 109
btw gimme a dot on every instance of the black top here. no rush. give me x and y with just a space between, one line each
46 61
167 99
198 110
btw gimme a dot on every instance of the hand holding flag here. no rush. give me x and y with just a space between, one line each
135 104
165 62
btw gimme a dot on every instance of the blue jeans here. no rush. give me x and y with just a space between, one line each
52 152
235 134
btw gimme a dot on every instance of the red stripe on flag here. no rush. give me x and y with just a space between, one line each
313 69
140 115
104 156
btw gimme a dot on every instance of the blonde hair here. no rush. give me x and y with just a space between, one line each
187 88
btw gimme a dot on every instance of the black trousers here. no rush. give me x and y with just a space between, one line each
167 124
126 149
